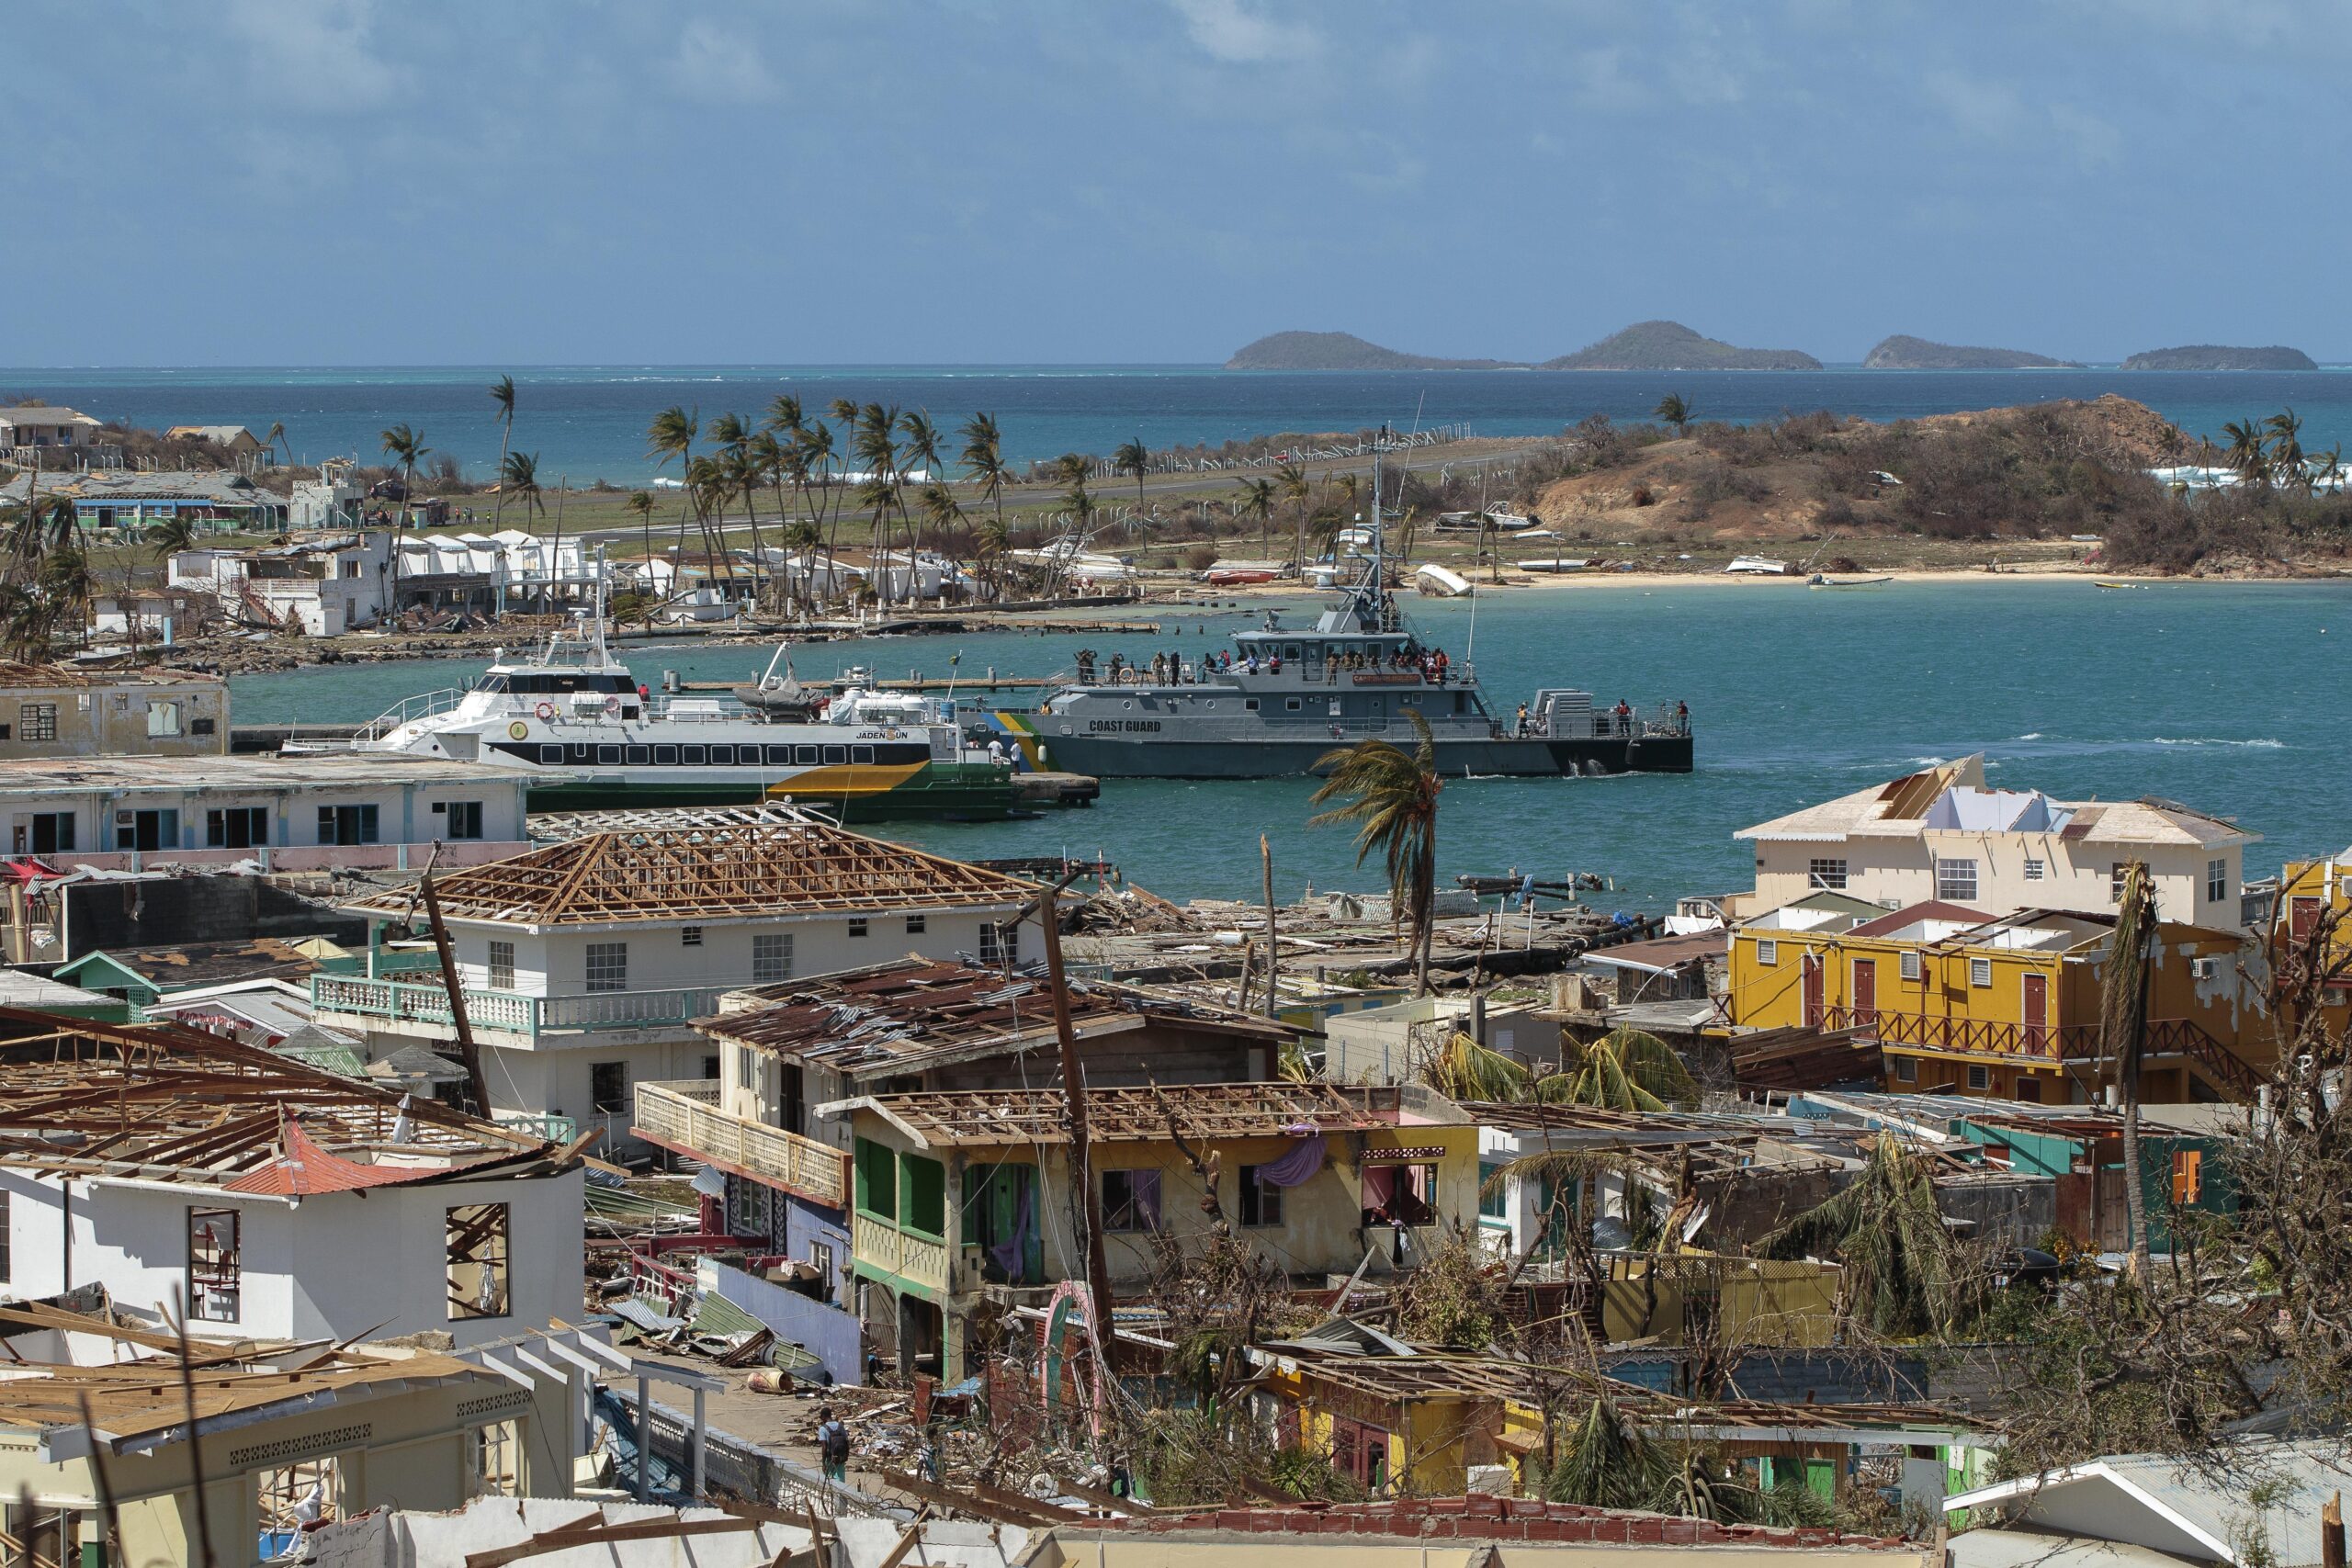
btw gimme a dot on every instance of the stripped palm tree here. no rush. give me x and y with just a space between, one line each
2123 1030
1292 481
2249 451
518 474
275 441
671 435
983 460
1256 501
1904 1277
1390 800
1626 1069
502 392
408 447
1676 411
1075 469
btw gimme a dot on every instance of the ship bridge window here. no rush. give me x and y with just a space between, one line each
1290 650
490 684
1249 705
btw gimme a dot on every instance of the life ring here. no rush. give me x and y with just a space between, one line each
611 708
517 729
545 711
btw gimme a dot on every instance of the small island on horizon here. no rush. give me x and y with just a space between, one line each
1904 353
2213 356
1645 345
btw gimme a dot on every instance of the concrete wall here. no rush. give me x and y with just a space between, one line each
92 721
334 1266
1900 871
825 1332
555 962
185 909
404 808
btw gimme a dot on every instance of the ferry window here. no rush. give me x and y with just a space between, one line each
690 755
465 817
836 754
608 754
722 755
861 753
215 1265
690 936
780 756
1291 704
804 755
236 828
476 1235
665 755
501 965
608 966
771 959
552 756
639 755
915 925
347 824
1249 705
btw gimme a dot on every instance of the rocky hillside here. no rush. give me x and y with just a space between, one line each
1339 351
1670 345
2212 356
1902 352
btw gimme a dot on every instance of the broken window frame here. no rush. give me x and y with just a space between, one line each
216 1275
277 1492
478 1237
1132 1202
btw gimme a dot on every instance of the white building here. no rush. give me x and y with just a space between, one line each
276 1201
333 501
323 586
1942 835
585 963
376 811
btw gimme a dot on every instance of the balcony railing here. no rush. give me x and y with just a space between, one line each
684 1115
2052 1042
510 1012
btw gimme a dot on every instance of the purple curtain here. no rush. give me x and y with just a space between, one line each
1008 1253
1295 1167
1147 1191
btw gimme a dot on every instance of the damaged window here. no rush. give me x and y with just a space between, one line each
1130 1200
924 1196
215 1269
477 1252
294 1498
497 1448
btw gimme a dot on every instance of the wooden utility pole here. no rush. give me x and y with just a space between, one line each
1082 1163
2330 1532
1266 857
470 1053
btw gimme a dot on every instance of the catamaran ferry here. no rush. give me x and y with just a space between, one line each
594 739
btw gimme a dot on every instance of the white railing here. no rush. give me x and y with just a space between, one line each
510 1012
684 1115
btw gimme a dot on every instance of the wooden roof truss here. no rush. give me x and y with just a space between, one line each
1201 1112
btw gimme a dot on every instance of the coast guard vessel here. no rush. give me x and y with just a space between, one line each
1285 697
591 738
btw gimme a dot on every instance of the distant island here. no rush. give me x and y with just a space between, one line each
2211 357
1902 352
1341 351
1670 345
1646 346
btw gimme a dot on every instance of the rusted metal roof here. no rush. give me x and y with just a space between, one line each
1201 1112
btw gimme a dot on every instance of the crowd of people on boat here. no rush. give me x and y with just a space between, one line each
1172 669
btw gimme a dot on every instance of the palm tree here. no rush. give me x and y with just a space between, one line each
1391 798
502 392
276 439
2123 1029
1673 408
1075 470
408 447
171 536
1135 457
1291 480
877 446
945 515
1626 1069
817 456
518 472
1256 501
2249 452
983 460
2285 429
920 449
802 535
641 503
671 435
1902 1275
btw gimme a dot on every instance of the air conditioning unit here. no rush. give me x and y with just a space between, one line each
2205 968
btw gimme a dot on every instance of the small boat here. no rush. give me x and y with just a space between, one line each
1437 581
1503 519
2115 582
1235 577
1758 566
1822 580
1558 563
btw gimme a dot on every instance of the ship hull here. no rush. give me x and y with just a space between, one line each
974 792
1106 757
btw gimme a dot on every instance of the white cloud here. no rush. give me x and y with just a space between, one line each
1239 35
715 64
318 54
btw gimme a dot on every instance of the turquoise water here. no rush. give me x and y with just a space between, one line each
588 422
2228 697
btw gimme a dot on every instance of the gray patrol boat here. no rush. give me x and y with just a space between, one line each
1291 697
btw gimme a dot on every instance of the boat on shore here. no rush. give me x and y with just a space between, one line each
1757 566
1823 580
591 738
1558 564
1437 581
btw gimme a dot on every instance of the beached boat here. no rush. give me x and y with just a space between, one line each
1437 581
2114 582
1238 575
1757 566
1822 580
1558 563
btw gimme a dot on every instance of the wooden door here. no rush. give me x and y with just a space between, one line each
1865 997
2035 1014
1812 983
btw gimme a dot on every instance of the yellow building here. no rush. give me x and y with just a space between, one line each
1410 1422
962 1198
2311 892
1960 1002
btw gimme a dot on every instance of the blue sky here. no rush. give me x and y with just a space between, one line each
342 181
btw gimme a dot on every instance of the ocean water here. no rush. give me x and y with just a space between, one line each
588 422
2227 696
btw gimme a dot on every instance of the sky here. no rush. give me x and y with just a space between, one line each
528 182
